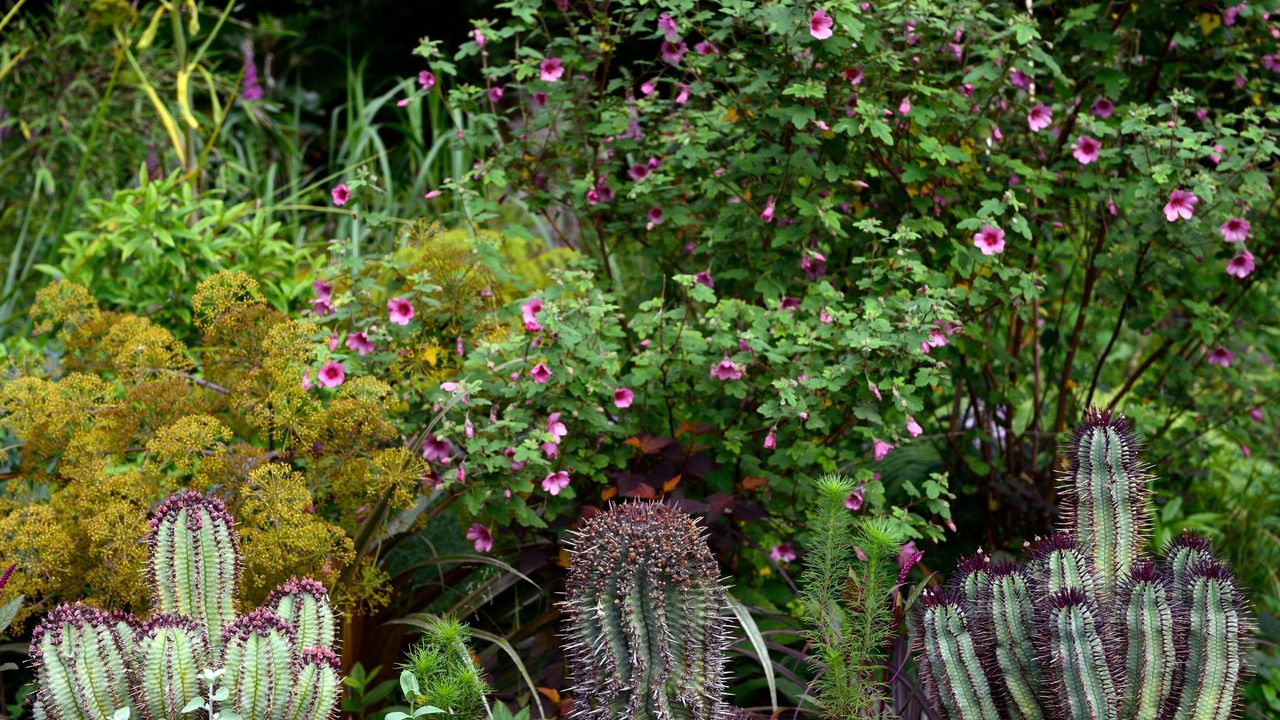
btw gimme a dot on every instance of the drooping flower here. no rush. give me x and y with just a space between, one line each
1229 14
332 374
990 240
623 397
481 537
706 48
913 427
667 26
1235 230
321 307
400 310
814 266
908 556
674 51
1102 108
647 87
555 482
540 373
322 289
882 449
854 75
1220 356
359 342
771 439
435 449
767 214
821 24
1039 117
638 171
495 94
703 277
1019 79
341 194
427 79
551 69
682 96
306 380
529 314
1182 204
1242 265
1085 149
783 553
556 428
904 107
479 37
854 499
1256 414
726 369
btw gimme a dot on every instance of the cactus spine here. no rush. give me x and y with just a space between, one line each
278 659
1089 629
646 618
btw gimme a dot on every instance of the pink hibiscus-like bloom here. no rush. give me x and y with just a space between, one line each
767 214
529 314
1102 108
556 428
1039 118
1220 356
623 397
321 307
674 51
306 380
551 69
854 499
638 172
706 48
1229 15
322 289
703 277
1235 230
854 75
555 482
341 194
904 107
682 96
908 556
1256 414
427 79
435 449
540 373
479 37
990 240
481 537
882 449
359 342
495 94
654 216
771 439
1242 265
332 374
400 310
1085 149
821 24
1182 204
726 369
913 427
1019 79
647 87
667 26
783 553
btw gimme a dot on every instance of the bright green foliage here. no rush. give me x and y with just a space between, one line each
447 677
1089 629
646 626
90 664
848 601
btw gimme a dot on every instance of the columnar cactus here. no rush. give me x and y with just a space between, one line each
278 660
1088 628
646 621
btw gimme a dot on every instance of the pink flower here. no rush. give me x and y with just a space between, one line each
667 26
332 374
674 51
820 24
854 499
771 440
990 240
479 38
654 216
1235 230
556 428
1182 204
435 449
875 389
854 76
400 310
825 317
703 277
427 79
555 482
321 307
647 87
1245 451
767 214
495 94
726 369
1019 79
706 48
551 69
882 449
1039 118
1241 265
1256 414
904 107
1220 356
341 194
322 289
682 96
638 172
908 556
359 342
461 474
529 313
783 553
1229 15
1085 149
623 397
540 373
913 427
306 380
1102 108
481 536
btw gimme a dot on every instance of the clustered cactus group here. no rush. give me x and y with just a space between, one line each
277 662
1088 628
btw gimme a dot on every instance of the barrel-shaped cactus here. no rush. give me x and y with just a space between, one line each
646 618
1089 628
278 660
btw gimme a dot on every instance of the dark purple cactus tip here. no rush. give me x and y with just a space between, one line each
156 623
1146 571
977 562
190 499
1191 541
297 586
1070 597
1004 568
1044 547
321 656
260 621
1096 417
78 615
1211 570
940 597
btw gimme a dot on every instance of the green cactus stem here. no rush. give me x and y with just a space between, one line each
1084 690
646 625
81 658
952 671
318 687
1007 612
259 659
1217 644
172 652
194 563
304 603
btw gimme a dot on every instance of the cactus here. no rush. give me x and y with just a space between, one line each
1088 628
646 625
447 677
278 660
